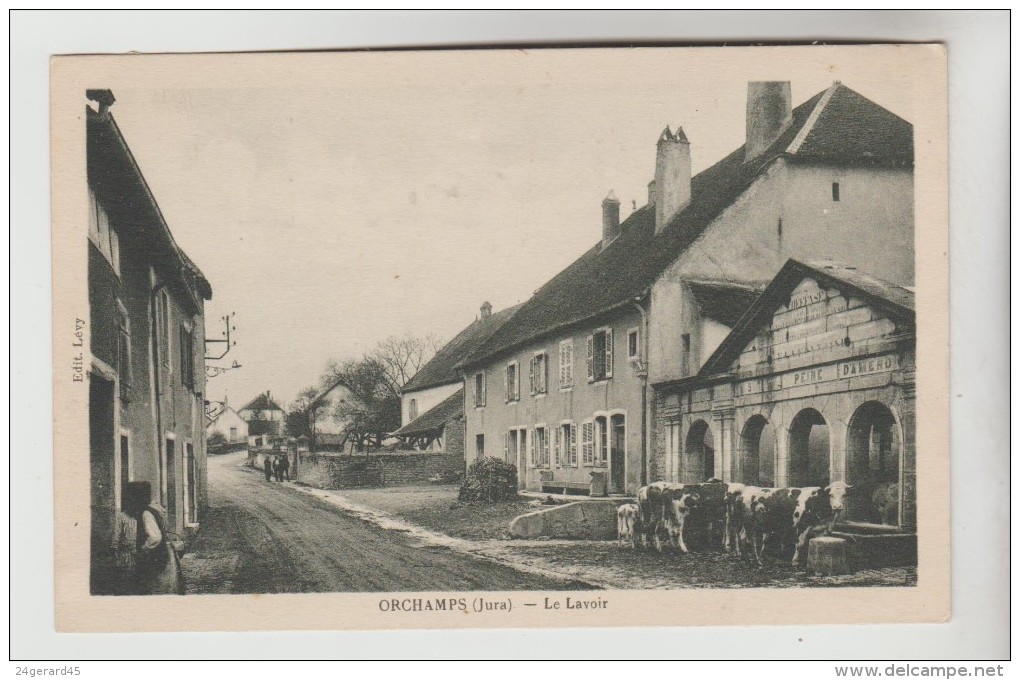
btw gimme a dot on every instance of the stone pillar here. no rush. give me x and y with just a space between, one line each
722 425
908 469
838 427
782 455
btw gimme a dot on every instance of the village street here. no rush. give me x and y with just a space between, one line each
261 537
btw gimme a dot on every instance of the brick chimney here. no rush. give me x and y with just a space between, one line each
769 113
486 310
610 218
672 176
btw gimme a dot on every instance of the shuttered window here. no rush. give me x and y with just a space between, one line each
558 447
566 363
600 354
512 382
537 374
480 389
588 442
566 445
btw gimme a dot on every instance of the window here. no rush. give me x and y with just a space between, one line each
588 442
233 434
540 447
412 409
538 373
102 234
835 191
685 353
601 440
566 445
124 352
479 445
163 320
480 389
513 382
633 352
566 363
187 358
600 354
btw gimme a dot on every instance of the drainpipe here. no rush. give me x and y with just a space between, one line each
643 374
154 332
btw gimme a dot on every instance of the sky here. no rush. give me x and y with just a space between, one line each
344 198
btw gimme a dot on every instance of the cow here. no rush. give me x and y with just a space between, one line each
654 505
708 518
628 524
886 500
675 519
744 518
791 516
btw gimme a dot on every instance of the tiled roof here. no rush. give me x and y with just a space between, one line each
263 402
895 300
606 279
724 302
436 417
441 369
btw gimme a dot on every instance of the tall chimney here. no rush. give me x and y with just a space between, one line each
486 310
651 192
769 113
610 218
672 176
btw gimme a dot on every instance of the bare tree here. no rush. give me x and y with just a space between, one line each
403 356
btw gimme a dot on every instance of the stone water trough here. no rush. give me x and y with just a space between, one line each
590 519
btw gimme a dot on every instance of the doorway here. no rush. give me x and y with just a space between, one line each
699 459
617 453
873 465
809 450
103 480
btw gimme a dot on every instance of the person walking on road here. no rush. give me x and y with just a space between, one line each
284 467
267 467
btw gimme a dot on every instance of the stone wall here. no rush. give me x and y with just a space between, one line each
401 468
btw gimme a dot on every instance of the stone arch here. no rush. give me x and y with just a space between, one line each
874 450
757 463
810 450
699 453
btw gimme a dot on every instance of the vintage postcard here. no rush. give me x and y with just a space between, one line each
482 338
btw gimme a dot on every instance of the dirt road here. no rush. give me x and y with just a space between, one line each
262 537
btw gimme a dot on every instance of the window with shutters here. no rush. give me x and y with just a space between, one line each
537 373
588 443
601 440
480 389
540 447
513 382
103 234
566 439
187 358
600 355
566 363
124 352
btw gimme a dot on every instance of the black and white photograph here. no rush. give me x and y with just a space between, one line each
506 332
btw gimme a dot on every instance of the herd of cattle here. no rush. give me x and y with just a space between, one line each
733 516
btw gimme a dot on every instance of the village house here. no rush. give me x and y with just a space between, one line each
265 419
147 364
226 422
815 384
432 401
565 391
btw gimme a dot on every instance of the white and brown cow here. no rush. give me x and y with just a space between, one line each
656 512
628 524
791 516
745 519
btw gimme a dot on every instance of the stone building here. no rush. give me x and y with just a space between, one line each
815 384
564 391
147 368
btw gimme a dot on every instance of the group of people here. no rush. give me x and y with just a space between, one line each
276 467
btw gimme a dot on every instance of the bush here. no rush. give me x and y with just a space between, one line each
489 480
